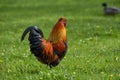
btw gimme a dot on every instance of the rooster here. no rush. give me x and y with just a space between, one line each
48 51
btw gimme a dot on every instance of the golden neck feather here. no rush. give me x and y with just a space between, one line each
58 34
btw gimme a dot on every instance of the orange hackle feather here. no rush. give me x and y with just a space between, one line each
58 32
47 53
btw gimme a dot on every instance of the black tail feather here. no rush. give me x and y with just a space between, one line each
35 38
29 29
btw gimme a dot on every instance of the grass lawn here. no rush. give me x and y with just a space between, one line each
93 40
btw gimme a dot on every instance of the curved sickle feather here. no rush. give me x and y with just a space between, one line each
29 29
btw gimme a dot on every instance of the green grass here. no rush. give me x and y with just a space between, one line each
93 40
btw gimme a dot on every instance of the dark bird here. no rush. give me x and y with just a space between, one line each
110 10
52 50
